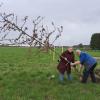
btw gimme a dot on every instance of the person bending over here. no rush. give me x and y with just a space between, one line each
89 64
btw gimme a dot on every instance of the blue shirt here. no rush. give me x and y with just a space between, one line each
87 60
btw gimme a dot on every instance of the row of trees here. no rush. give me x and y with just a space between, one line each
94 43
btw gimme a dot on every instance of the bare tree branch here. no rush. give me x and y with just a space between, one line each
39 37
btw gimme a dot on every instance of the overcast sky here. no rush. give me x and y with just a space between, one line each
80 18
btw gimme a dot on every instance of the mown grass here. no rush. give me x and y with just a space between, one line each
25 76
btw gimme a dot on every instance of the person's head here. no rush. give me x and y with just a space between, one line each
70 49
78 52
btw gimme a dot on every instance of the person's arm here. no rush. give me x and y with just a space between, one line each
63 56
75 63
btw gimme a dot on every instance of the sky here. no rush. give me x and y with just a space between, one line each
80 18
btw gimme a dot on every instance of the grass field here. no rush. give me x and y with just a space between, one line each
26 77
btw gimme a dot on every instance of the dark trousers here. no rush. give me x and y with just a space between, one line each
90 72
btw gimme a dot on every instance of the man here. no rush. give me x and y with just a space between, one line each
64 64
89 64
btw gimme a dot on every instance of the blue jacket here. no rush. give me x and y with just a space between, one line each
87 60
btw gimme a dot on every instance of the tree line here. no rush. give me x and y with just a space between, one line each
95 41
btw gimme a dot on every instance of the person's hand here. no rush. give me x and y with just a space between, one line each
65 59
72 64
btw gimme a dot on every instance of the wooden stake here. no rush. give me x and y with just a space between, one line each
50 51
54 54
62 49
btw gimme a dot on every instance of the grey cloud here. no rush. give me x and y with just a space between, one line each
80 18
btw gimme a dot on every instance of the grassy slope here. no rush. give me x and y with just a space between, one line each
25 77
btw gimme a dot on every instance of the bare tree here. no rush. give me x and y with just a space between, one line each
38 36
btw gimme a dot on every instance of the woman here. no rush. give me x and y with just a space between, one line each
64 64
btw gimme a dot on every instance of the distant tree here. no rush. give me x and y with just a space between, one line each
95 41
80 45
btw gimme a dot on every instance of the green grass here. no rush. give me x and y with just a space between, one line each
25 77
94 53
